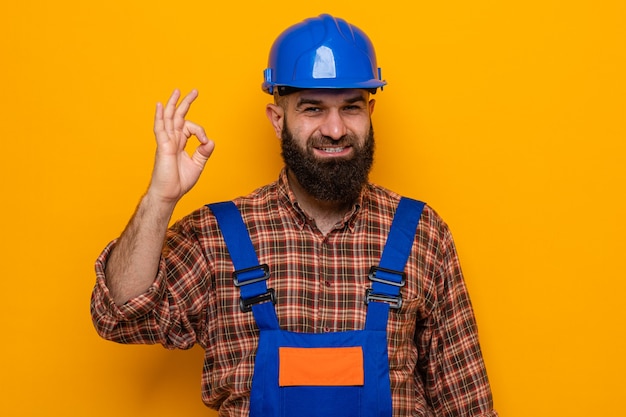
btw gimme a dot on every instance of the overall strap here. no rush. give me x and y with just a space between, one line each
388 278
249 275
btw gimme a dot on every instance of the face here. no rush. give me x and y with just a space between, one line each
327 141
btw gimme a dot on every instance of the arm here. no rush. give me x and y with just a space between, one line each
452 365
133 263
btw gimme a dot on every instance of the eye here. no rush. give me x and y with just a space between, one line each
311 109
353 108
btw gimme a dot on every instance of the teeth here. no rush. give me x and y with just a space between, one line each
332 150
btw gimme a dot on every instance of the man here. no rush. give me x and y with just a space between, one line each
319 294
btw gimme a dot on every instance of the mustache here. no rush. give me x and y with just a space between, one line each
323 141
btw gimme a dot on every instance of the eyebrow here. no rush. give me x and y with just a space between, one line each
350 100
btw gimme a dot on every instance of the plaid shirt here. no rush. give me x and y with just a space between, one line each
436 366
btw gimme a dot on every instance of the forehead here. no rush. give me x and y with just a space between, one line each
328 95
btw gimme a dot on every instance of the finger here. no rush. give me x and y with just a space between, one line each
202 153
158 118
191 128
183 108
170 109
159 125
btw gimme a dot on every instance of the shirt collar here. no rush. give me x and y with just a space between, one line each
287 199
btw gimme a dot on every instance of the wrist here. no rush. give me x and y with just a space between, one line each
159 206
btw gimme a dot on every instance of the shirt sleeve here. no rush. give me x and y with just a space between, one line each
451 363
172 312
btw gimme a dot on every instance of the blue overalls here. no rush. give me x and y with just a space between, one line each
321 374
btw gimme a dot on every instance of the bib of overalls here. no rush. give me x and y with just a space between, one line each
320 374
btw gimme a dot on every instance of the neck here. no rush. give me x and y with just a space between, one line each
326 214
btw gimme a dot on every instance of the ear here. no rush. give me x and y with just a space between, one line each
371 105
276 116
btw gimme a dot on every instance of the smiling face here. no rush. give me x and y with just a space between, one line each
327 140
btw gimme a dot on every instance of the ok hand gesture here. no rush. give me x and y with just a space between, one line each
175 171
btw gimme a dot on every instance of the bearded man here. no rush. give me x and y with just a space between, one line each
319 294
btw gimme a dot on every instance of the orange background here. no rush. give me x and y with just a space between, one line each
508 117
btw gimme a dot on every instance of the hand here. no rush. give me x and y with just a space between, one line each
175 171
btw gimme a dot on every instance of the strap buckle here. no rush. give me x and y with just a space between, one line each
246 304
394 301
372 276
237 273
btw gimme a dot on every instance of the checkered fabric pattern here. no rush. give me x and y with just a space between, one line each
436 366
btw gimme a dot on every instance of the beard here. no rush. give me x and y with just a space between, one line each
336 179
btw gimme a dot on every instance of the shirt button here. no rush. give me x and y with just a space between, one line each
329 284
327 329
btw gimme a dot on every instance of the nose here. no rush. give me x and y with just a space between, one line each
333 126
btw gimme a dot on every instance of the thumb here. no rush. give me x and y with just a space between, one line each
203 152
